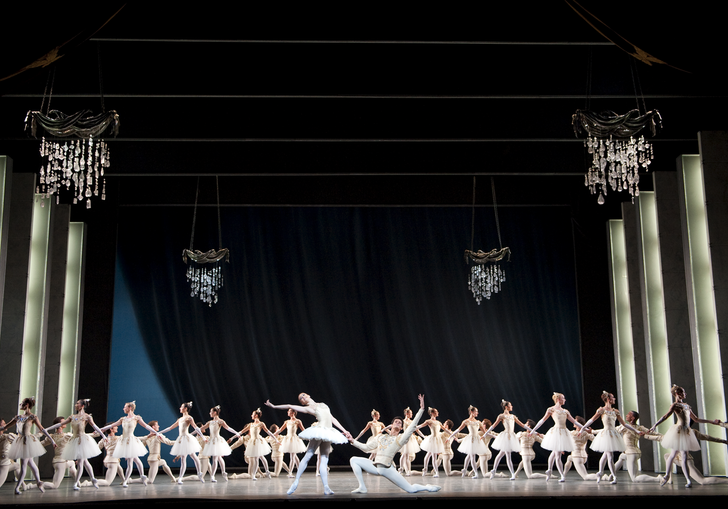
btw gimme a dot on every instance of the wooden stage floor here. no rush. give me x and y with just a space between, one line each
343 481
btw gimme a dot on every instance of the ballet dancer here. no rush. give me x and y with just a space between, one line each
276 455
385 447
129 446
557 439
446 456
257 448
61 438
506 441
154 444
632 452
81 446
186 444
608 439
26 446
579 455
319 437
375 425
471 445
411 448
290 443
527 453
433 444
680 438
216 446
6 464
484 458
112 464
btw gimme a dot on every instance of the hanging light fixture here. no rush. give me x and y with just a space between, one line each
76 165
616 154
486 275
204 272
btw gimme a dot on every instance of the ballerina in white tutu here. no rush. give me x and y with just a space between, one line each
506 441
319 437
81 446
216 446
291 443
257 448
26 446
608 439
186 444
376 426
410 449
471 445
130 446
557 439
680 437
433 444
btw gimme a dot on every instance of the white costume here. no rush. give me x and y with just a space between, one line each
129 446
680 437
81 446
608 439
26 445
507 441
558 437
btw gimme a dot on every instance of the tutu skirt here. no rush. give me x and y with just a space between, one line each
680 438
257 448
129 447
216 447
80 447
292 444
411 447
26 446
185 445
325 434
469 446
558 439
608 440
433 444
506 442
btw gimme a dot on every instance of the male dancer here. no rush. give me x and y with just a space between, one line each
386 445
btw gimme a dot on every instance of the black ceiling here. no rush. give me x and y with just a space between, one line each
360 104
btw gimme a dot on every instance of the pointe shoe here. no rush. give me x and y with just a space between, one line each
563 478
599 476
95 482
292 488
360 489
664 481
124 484
212 479
433 488
40 487
76 486
179 480
548 475
145 479
689 484
17 490
201 477
224 476
328 491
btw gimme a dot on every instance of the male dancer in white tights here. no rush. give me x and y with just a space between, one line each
386 445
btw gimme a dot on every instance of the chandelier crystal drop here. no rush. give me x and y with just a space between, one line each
617 154
204 274
485 281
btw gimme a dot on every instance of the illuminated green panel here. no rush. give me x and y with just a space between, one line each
709 377
655 323
70 341
623 341
33 333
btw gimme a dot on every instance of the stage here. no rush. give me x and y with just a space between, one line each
343 481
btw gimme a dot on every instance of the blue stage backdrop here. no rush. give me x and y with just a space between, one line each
360 307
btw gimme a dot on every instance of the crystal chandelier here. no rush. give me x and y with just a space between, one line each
486 275
76 165
204 272
486 280
616 156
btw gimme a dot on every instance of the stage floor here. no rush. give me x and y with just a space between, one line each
343 481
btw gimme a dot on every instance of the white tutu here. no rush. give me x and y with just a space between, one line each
608 440
216 447
257 448
325 434
469 446
411 447
26 446
680 438
433 444
80 447
292 444
185 445
558 439
506 442
129 447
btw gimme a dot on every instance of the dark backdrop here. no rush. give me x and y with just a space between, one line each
360 307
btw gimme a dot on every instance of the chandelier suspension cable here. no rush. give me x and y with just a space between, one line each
101 77
219 223
472 217
637 86
194 215
495 210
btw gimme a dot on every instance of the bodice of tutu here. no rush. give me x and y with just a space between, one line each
128 425
682 414
377 428
473 427
434 427
214 429
184 427
609 419
559 416
78 425
291 427
323 415
23 424
509 423
255 431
